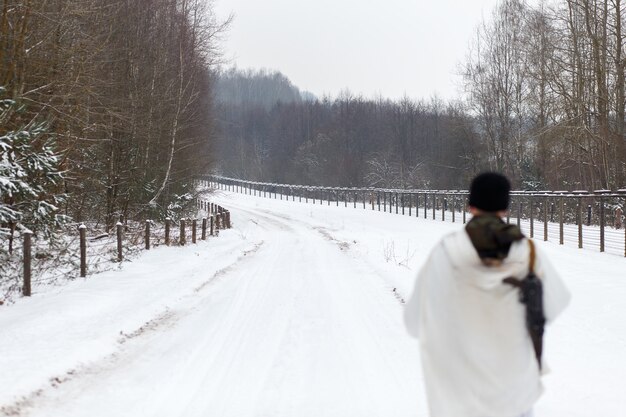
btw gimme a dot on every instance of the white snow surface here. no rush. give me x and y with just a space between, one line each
295 312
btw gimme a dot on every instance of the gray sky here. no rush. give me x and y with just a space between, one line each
373 47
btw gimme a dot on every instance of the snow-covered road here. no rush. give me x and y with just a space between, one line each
296 311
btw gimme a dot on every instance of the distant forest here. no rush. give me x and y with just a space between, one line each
543 101
270 132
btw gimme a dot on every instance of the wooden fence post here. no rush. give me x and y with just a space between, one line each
194 225
602 221
120 230
203 237
82 232
545 219
532 217
212 225
26 290
147 235
182 232
624 224
561 220
453 207
434 206
580 223
384 203
167 231
464 208
444 206
417 206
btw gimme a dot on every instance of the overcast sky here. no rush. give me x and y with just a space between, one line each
372 47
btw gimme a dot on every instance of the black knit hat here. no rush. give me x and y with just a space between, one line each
490 192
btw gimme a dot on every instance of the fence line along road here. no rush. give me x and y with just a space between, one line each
593 220
84 248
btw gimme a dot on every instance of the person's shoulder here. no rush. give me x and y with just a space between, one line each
456 236
449 240
519 251
457 247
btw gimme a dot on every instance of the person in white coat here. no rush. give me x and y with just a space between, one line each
477 356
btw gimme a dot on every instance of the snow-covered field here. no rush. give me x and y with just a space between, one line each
294 312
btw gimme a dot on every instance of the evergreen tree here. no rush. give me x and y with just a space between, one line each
29 174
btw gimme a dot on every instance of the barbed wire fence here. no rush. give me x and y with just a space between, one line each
591 220
79 250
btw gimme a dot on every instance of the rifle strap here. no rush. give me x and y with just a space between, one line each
531 266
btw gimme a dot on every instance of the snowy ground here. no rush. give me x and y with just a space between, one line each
294 312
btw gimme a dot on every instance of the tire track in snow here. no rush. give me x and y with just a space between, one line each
343 245
351 292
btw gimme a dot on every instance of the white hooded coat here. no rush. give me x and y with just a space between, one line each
477 356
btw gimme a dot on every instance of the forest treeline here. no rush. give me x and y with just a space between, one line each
347 141
543 101
106 107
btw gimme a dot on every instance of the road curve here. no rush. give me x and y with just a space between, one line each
300 326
